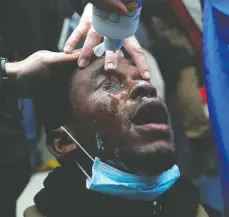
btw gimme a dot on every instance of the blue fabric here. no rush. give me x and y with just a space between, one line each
216 65
29 119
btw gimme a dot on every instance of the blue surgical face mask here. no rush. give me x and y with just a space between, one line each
109 180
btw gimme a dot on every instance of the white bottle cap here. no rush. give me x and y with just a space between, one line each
112 44
99 50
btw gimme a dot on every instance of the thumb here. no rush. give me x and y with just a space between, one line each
121 8
116 6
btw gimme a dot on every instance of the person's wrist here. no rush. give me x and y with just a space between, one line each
12 70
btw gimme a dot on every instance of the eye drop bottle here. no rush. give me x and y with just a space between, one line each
115 27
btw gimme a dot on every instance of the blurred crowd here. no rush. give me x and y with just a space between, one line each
170 32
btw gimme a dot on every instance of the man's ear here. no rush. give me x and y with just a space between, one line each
59 143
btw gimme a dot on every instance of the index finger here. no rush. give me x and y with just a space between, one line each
137 53
79 33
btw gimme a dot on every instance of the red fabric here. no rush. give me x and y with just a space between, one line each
203 94
193 32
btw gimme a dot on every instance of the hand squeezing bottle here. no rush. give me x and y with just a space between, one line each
115 27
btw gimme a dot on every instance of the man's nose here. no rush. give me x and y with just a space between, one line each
143 89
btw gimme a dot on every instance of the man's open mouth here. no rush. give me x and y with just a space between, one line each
150 111
152 115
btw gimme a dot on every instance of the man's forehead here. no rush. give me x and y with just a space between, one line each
96 69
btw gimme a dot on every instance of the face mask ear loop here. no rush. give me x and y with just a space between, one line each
83 170
77 143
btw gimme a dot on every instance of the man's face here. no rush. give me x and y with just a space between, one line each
126 115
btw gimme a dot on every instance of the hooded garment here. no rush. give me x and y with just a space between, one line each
216 56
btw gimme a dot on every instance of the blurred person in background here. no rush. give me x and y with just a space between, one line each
175 27
176 30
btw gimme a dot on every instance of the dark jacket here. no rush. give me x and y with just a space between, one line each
65 195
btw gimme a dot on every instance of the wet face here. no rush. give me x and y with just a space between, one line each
130 122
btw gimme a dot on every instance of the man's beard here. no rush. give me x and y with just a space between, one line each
149 160
150 163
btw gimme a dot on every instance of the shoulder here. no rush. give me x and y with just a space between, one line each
205 211
201 212
32 211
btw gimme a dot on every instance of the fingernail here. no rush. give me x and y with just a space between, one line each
111 66
146 75
83 63
68 48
